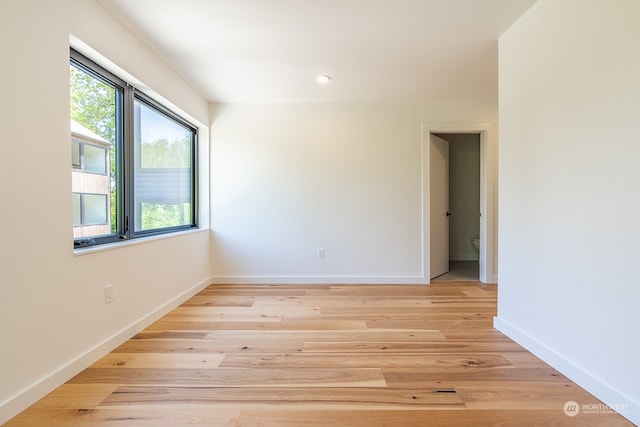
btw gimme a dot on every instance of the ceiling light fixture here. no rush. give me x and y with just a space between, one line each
323 78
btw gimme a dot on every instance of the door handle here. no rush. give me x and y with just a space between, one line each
448 213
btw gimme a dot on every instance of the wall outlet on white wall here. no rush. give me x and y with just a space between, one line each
320 253
108 294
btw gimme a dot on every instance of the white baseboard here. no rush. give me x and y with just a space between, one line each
28 396
626 406
305 280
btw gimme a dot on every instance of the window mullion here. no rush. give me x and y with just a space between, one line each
194 182
128 161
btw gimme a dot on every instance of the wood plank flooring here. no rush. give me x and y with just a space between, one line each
321 355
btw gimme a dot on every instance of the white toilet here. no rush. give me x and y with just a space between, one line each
475 242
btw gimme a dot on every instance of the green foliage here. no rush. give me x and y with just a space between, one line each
164 154
161 215
93 104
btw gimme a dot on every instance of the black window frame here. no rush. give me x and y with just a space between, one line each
126 94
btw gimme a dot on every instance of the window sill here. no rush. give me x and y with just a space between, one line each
139 241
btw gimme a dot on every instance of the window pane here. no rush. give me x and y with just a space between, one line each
160 215
75 154
94 159
95 209
77 213
162 181
94 129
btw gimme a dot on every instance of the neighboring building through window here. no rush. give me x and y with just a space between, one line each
133 160
90 182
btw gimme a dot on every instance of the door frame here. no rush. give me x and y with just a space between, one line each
488 195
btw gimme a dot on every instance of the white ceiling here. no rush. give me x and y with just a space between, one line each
375 50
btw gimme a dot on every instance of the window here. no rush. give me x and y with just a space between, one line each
90 209
162 184
88 158
132 160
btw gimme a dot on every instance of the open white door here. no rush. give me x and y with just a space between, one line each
439 205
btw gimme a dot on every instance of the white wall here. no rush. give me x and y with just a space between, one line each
53 320
289 179
569 206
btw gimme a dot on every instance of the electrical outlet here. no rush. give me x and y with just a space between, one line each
320 253
108 294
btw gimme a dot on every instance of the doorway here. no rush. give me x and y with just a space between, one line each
455 197
467 213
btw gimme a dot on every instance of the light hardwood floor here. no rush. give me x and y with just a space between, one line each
321 355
